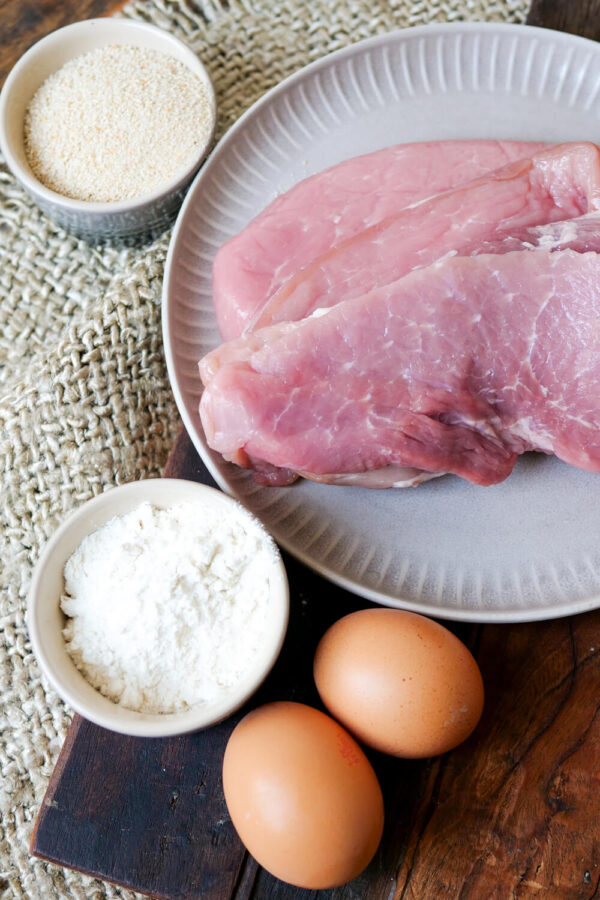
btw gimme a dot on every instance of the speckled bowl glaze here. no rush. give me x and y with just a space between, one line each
46 620
145 216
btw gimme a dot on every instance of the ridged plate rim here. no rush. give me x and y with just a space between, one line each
184 352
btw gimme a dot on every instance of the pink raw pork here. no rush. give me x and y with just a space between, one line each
556 183
326 209
581 234
458 367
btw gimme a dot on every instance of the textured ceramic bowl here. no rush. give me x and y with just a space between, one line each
46 620
134 219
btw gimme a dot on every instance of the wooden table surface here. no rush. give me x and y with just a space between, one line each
23 22
512 813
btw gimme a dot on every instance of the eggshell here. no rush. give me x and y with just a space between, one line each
302 795
399 682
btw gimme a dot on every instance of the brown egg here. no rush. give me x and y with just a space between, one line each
302 795
399 682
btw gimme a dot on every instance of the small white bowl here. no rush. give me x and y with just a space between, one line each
46 620
143 216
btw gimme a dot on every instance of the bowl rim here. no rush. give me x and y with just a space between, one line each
36 187
163 492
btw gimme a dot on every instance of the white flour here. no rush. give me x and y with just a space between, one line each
168 607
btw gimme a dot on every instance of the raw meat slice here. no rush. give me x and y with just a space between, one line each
581 234
330 207
458 367
557 183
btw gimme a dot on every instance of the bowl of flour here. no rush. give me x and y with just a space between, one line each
104 123
158 607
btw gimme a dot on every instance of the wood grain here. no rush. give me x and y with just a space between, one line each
515 811
26 21
145 814
512 814
173 839
142 812
575 16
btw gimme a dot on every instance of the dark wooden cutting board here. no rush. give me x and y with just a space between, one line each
515 808
513 812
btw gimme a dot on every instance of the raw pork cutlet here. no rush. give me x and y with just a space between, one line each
557 183
581 234
458 367
327 208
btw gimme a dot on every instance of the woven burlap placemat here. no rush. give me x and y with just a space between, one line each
85 402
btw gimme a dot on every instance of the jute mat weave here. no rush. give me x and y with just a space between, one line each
85 402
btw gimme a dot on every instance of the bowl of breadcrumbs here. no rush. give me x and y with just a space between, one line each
105 123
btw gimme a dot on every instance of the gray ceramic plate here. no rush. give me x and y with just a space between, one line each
524 549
